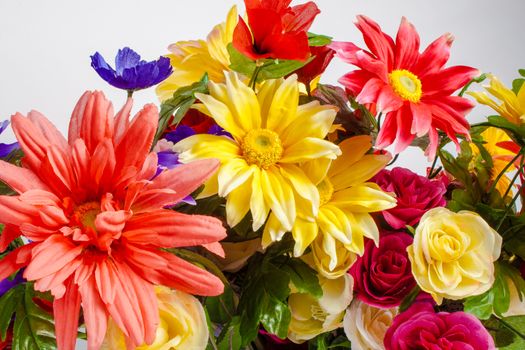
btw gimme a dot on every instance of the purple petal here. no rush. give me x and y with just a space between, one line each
6 149
3 125
167 159
180 133
7 284
126 58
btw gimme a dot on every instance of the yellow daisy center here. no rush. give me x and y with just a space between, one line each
406 85
326 191
262 147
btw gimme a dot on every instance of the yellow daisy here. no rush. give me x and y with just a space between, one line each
346 200
191 59
509 105
500 156
260 167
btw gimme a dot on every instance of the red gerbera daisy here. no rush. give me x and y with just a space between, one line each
275 29
413 90
94 213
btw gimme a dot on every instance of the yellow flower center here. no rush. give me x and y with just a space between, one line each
447 246
406 85
262 147
86 214
326 191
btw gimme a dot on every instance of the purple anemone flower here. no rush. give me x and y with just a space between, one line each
170 160
6 284
130 72
6 149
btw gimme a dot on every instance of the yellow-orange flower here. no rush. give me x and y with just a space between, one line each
261 165
509 105
346 201
191 59
182 324
500 156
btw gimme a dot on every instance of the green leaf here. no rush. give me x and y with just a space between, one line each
240 63
177 106
280 68
276 316
303 277
516 324
480 305
318 39
8 304
34 328
517 84
230 337
409 299
222 307
522 72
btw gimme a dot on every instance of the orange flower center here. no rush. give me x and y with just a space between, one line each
262 147
406 85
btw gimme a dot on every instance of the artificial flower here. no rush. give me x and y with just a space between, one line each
275 30
412 90
237 254
194 122
95 219
453 254
323 259
346 201
420 327
517 302
493 139
382 276
130 72
6 149
182 324
508 104
261 164
311 316
309 73
365 326
7 283
194 58
415 195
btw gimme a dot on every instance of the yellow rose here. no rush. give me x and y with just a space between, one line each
311 316
366 326
453 253
182 324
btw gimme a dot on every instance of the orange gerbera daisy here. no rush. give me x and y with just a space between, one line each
94 214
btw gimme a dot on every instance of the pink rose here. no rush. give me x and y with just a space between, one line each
420 327
415 196
383 276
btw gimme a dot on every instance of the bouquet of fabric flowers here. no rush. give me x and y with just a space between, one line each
254 209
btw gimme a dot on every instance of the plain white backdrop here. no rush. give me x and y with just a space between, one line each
45 45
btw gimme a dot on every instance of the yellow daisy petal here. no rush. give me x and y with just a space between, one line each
304 233
361 171
364 198
232 174
258 206
220 112
283 108
310 148
317 169
353 149
332 221
273 231
238 203
205 146
303 186
279 196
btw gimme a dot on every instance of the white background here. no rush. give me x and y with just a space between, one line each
45 45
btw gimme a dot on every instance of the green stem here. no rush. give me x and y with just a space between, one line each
511 204
473 80
255 74
393 160
514 179
510 327
432 167
130 93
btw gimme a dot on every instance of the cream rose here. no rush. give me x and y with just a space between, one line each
311 316
366 326
453 254
182 325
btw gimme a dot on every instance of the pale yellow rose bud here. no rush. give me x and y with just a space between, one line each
182 324
311 316
453 254
366 326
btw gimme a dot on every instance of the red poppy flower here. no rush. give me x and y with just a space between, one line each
322 57
413 90
275 30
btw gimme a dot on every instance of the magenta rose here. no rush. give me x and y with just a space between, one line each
383 276
415 196
420 327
